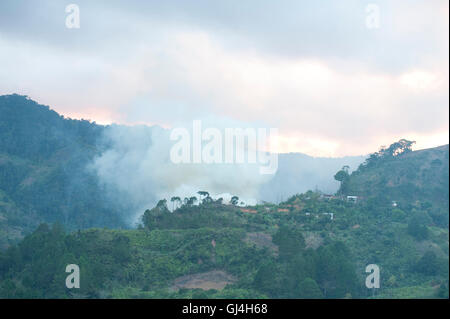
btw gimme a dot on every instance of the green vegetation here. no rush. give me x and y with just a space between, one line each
43 175
311 246
309 255
398 174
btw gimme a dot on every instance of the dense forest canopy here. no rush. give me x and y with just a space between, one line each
43 175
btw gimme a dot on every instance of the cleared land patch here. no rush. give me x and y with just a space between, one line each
215 279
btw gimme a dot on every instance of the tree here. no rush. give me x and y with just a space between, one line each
335 270
401 147
417 225
178 201
173 199
428 264
309 289
203 193
234 200
207 200
266 279
162 203
398 215
290 241
342 176
192 200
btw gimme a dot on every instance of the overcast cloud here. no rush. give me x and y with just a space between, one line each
312 69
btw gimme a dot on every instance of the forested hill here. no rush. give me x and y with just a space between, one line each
308 247
311 246
42 170
398 174
35 132
43 175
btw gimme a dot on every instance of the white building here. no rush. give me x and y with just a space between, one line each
351 198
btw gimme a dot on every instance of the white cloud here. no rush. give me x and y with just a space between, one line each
330 91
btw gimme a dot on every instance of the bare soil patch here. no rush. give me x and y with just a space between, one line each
215 279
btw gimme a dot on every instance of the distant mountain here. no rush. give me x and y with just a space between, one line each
298 173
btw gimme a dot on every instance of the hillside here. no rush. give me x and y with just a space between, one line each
42 171
411 178
311 246
45 173
216 250
55 212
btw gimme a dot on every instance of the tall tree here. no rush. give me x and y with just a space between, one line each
203 193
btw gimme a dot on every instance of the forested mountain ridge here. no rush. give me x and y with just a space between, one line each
35 132
42 170
406 177
44 177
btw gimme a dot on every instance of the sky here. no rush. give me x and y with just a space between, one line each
335 77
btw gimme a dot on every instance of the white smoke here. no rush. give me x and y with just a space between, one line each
136 168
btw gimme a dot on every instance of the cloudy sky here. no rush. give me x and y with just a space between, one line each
333 78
